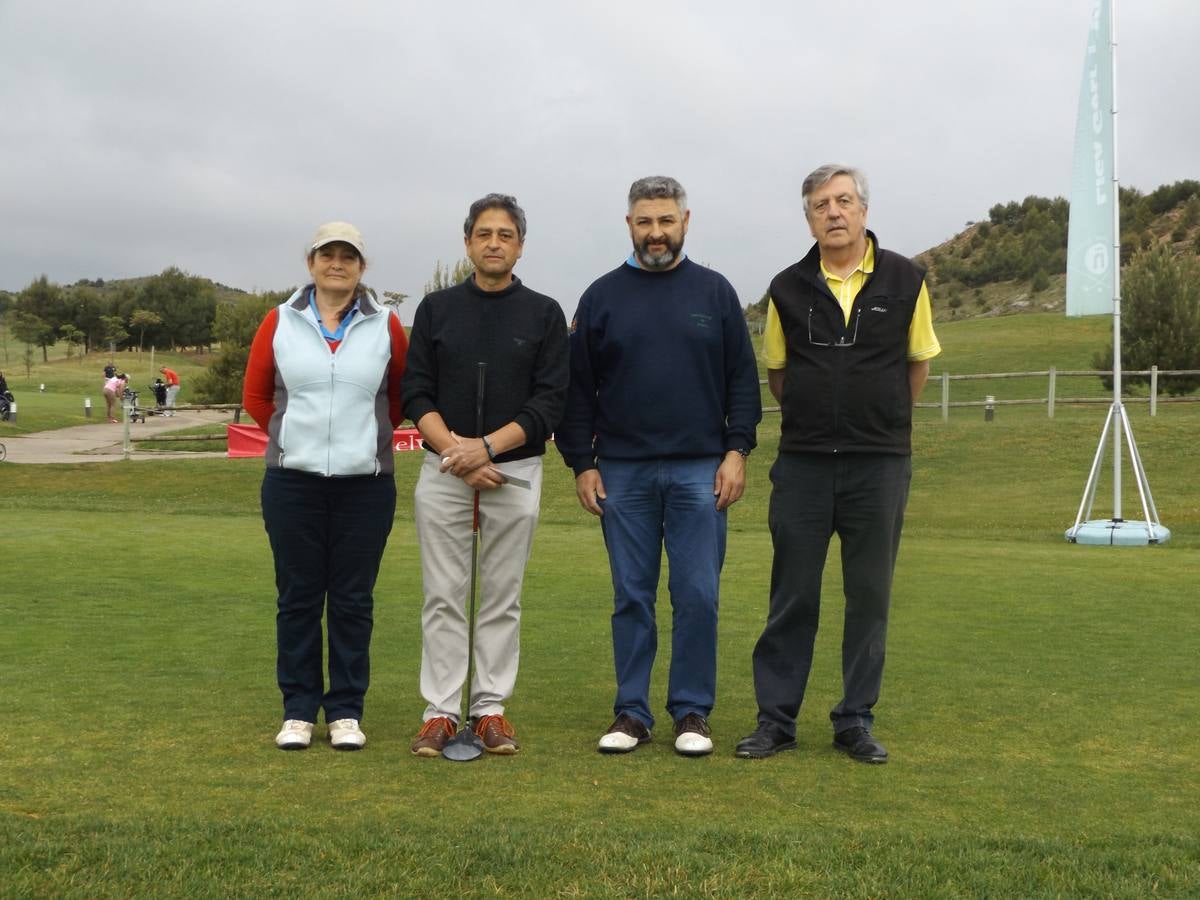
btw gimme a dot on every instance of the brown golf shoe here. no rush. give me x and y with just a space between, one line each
433 736
625 734
497 734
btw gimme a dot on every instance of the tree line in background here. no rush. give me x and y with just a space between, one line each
172 310
1019 243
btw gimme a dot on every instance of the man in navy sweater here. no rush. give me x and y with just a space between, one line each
661 414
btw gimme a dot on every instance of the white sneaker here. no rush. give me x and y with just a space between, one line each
344 734
295 735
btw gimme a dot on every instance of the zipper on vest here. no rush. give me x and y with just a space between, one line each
329 417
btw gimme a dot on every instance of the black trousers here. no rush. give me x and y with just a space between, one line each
861 498
328 537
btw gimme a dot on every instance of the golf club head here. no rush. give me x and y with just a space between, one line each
464 746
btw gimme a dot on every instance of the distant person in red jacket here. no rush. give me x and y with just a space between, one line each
323 381
172 381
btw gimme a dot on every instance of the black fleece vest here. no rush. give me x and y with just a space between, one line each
845 388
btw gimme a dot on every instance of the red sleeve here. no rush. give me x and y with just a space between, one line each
396 368
258 387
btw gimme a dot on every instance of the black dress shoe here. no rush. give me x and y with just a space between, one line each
765 741
860 745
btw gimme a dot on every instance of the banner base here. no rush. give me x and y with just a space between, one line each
1118 533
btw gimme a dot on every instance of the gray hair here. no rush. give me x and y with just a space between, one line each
658 187
822 176
506 202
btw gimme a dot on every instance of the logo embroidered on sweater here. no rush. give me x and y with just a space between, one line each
701 320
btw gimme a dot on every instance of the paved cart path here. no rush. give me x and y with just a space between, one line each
104 442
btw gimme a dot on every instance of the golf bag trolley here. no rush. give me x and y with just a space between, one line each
138 413
129 400
159 390
6 399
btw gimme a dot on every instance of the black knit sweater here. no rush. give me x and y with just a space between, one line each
519 333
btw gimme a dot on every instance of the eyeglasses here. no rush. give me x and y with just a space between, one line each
841 342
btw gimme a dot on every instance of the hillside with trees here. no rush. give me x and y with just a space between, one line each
1012 262
1016 260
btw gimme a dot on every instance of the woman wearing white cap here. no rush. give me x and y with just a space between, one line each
323 381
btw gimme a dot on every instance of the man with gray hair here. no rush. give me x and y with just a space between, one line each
848 342
661 414
490 318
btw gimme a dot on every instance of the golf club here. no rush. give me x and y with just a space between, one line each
466 744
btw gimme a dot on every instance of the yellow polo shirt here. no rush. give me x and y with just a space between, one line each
922 342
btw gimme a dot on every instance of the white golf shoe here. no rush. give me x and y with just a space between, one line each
295 735
625 734
344 734
692 736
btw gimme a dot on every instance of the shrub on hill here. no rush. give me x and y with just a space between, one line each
1160 319
1026 241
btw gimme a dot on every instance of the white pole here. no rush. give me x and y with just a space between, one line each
1116 195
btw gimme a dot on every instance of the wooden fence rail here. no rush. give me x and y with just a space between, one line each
1051 399
945 404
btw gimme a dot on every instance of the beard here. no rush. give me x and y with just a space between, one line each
662 260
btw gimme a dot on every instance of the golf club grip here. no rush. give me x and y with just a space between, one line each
479 399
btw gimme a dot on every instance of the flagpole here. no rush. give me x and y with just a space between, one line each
1116 207
1114 531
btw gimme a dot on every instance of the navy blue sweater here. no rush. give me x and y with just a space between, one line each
661 367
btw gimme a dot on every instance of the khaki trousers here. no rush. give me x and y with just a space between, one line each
507 516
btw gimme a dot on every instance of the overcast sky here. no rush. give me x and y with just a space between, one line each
216 135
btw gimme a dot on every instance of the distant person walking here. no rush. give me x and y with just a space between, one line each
323 381
172 381
114 390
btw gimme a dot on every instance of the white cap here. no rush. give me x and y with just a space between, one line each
332 232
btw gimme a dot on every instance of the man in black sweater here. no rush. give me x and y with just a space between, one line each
521 335
661 415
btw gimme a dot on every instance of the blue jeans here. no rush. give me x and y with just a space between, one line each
648 505
327 536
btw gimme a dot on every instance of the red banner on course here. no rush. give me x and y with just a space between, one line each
250 440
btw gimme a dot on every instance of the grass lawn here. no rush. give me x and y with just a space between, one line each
1038 703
